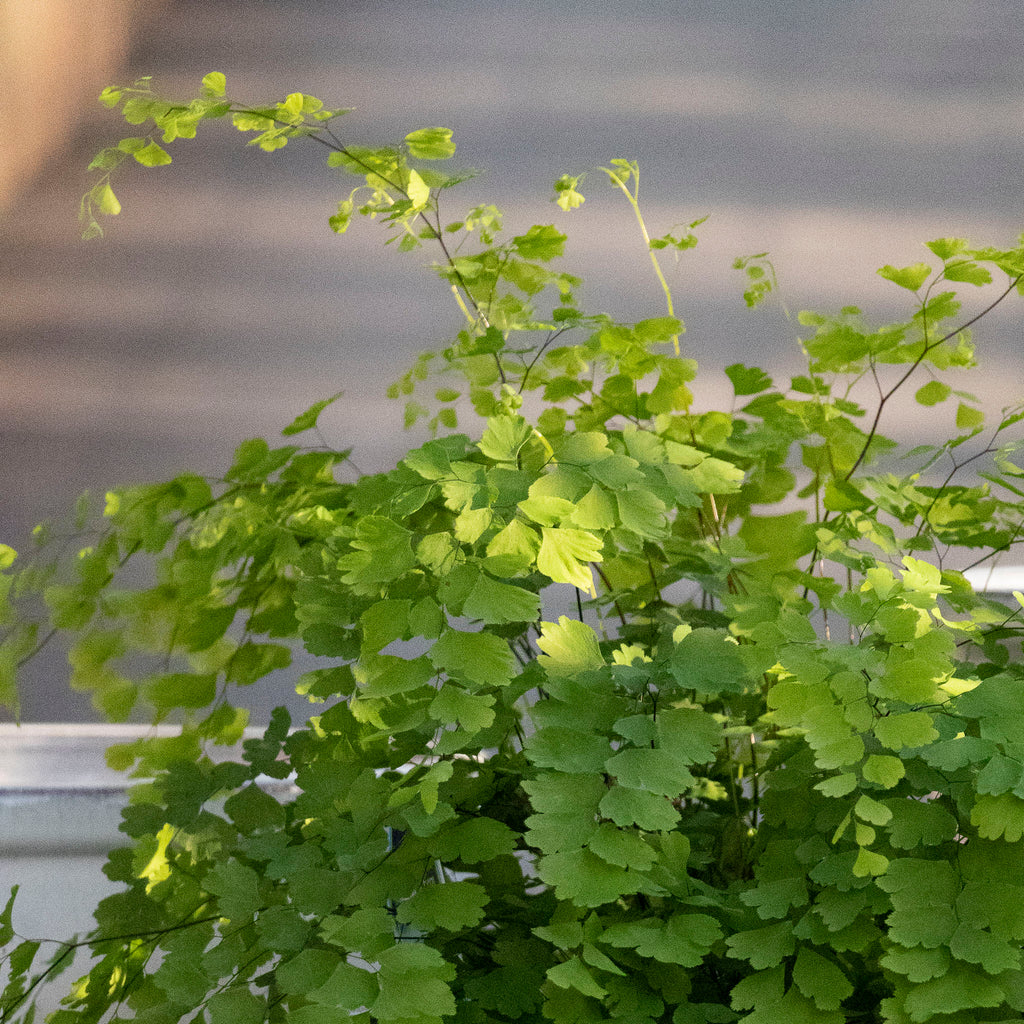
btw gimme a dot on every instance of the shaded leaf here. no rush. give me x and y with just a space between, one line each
481 659
308 419
453 906
683 939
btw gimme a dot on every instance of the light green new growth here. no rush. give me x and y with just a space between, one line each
766 769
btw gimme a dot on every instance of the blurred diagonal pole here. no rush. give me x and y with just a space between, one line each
63 51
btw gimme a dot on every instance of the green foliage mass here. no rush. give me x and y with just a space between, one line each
622 710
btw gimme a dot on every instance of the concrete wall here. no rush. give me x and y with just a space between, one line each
55 56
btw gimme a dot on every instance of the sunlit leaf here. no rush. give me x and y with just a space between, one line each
430 144
152 156
911 277
214 84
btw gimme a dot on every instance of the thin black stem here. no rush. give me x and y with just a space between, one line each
608 587
998 550
916 363
69 949
885 396
55 630
336 145
552 335
957 466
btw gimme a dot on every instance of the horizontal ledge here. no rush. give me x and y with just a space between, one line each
999 579
116 732
69 757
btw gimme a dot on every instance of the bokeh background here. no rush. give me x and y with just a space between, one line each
836 134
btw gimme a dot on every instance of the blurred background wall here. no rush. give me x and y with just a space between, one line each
66 51
837 134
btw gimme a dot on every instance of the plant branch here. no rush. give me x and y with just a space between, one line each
916 363
634 202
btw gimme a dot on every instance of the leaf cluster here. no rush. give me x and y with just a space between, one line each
622 710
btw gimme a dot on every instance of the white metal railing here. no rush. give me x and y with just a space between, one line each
996 579
70 756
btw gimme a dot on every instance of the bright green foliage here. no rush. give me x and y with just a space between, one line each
595 732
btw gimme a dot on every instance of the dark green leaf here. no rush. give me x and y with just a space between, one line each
453 906
683 939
